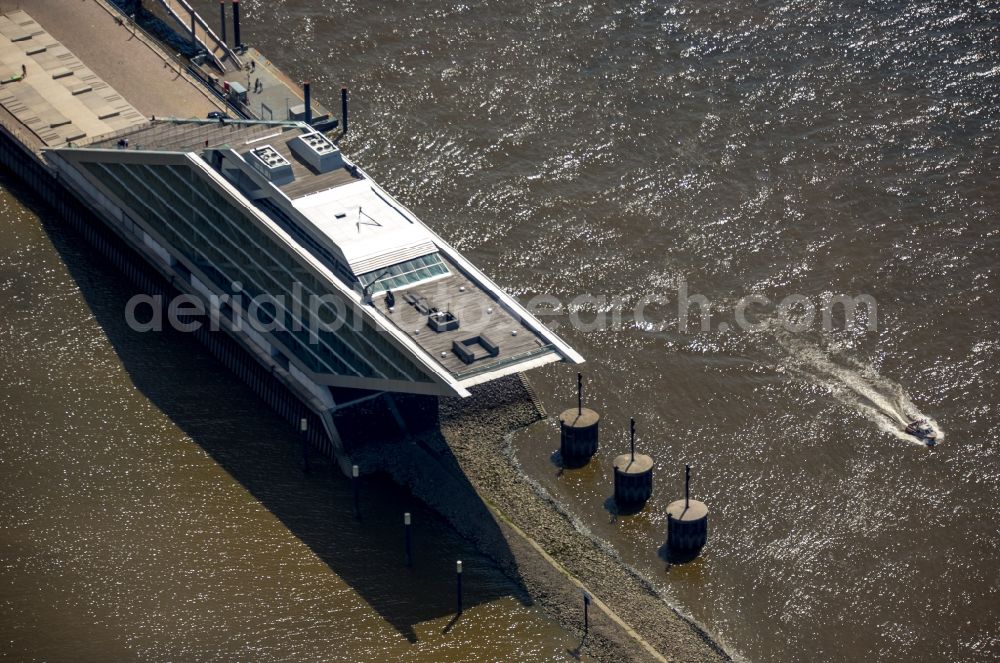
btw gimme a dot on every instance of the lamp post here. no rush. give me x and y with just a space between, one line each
406 539
303 428
458 577
355 474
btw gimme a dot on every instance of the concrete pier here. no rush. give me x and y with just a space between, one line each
139 69
687 525
578 431
578 436
633 481
271 94
633 476
687 529
58 98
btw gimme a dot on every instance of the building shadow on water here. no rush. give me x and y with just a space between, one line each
262 452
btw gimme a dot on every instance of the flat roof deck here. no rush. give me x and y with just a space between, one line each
477 314
192 136
173 136
307 180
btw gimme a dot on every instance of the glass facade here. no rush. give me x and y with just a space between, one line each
219 238
404 274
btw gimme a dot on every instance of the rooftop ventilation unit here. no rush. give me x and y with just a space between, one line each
316 150
268 162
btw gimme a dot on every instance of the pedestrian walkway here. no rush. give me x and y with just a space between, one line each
270 93
152 80
50 91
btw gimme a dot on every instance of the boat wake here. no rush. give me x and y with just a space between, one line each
856 385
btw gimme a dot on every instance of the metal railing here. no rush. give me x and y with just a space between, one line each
196 18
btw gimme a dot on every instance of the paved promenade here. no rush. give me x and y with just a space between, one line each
139 70
50 92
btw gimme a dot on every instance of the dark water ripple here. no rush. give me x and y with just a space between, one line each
152 509
774 148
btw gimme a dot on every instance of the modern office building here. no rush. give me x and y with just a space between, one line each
292 247
310 281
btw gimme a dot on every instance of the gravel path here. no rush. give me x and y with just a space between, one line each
477 485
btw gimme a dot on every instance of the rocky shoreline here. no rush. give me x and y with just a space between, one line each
466 471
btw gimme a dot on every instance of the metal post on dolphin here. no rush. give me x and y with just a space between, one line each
687 486
579 394
632 432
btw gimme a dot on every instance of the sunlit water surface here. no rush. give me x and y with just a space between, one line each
571 149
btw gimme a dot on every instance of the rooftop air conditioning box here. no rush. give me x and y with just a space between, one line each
271 164
317 150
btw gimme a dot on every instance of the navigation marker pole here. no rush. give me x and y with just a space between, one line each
632 433
579 394
687 487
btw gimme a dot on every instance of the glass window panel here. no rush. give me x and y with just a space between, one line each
210 233
405 273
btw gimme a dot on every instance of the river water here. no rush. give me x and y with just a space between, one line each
584 152
151 508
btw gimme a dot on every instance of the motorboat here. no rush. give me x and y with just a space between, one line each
923 431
